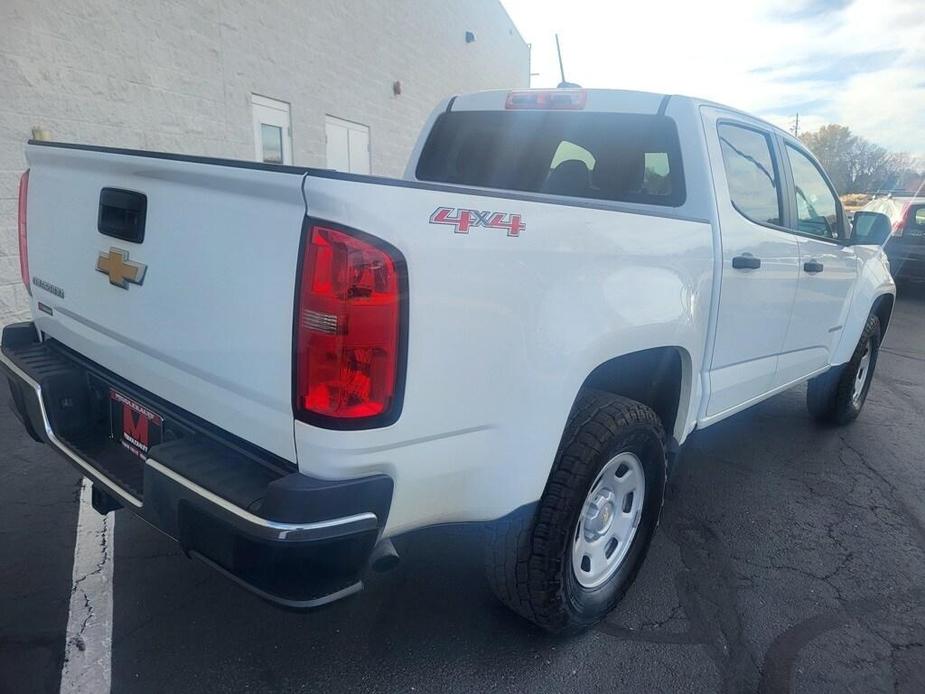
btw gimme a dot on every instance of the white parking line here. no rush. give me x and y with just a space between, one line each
87 652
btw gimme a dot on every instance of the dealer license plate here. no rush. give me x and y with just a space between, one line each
133 425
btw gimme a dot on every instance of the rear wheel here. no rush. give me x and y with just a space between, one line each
837 397
568 563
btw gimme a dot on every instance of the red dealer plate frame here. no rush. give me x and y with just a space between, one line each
132 425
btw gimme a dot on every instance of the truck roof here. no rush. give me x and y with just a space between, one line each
596 100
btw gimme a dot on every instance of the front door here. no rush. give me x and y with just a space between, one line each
828 270
760 263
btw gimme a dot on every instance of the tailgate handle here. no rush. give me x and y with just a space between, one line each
122 214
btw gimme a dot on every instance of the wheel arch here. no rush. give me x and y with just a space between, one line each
874 293
883 308
659 378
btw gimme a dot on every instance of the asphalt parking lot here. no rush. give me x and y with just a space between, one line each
790 557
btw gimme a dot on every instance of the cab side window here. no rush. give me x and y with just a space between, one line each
817 206
751 173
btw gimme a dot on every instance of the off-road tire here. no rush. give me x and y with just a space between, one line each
829 397
528 553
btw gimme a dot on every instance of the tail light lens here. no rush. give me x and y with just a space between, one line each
900 226
23 240
349 345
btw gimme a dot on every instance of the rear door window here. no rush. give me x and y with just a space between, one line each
751 173
604 156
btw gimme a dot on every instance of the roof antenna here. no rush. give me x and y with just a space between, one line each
563 84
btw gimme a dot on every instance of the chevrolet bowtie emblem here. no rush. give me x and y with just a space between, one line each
120 269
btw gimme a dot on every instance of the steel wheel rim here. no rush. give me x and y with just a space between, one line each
860 380
609 520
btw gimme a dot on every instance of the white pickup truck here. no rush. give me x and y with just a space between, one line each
283 368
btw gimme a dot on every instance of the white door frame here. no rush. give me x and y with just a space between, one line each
358 161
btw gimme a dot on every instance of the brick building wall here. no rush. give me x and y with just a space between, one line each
178 76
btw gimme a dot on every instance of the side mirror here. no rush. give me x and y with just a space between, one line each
870 229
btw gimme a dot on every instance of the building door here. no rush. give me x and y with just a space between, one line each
347 145
272 130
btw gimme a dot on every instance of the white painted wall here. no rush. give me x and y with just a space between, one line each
178 77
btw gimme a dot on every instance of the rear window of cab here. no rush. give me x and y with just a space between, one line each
603 156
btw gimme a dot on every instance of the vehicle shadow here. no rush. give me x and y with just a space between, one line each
431 623
773 525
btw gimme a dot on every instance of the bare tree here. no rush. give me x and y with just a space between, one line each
857 165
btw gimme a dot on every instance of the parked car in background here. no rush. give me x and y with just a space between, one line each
906 247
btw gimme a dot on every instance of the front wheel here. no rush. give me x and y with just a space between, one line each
836 397
568 563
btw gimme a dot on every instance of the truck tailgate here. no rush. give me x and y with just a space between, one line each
210 326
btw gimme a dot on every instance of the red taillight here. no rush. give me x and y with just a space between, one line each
553 99
348 328
900 226
23 241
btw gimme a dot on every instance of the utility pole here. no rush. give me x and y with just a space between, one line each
795 128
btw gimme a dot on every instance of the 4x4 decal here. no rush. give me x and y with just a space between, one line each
463 220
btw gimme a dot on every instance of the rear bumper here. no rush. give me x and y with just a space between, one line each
294 540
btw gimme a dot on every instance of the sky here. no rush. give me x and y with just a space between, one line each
860 63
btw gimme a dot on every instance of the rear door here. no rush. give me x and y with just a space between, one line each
760 261
828 268
197 311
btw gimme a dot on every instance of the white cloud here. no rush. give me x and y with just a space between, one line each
861 63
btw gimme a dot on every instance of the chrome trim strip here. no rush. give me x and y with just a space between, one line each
92 472
281 531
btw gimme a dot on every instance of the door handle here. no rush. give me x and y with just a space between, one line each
813 267
746 262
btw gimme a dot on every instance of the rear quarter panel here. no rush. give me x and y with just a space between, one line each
503 330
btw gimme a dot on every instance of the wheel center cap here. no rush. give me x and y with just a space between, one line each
599 516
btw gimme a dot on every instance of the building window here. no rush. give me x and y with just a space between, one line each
272 130
347 145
